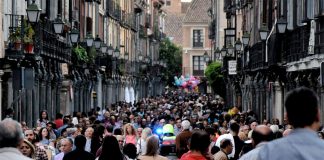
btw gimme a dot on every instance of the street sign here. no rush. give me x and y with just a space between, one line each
232 67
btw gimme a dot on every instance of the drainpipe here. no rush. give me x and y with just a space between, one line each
273 27
1 74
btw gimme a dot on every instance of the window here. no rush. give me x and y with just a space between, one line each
290 14
198 65
198 38
310 9
168 2
321 8
300 12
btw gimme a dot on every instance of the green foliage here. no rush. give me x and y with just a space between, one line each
15 35
213 72
172 55
29 33
215 78
81 53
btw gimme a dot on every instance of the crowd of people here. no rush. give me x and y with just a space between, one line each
198 126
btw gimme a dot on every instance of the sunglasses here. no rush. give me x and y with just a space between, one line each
29 134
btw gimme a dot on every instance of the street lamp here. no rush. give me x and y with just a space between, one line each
89 39
238 45
116 53
110 50
33 12
246 38
97 42
147 59
282 25
103 48
223 51
58 25
230 50
74 35
126 56
206 57
263 32
140 57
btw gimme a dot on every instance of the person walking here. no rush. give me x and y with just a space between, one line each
303 114
152 150
27 149
261 135
199 145
182 138
79 153
11 136
66 147
110 149
226 148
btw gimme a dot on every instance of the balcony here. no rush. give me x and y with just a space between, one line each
113 10
139 6
124 19
134 22
45 42
142 32
296 44
256 56
274 52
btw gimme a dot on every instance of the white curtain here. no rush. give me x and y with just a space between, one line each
127 96
132 94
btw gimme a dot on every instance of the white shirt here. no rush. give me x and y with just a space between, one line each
88 145
10 153
141 146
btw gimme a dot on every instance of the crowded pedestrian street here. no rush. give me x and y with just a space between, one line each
161 79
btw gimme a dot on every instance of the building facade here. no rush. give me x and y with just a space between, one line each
94 62
283 51
195 38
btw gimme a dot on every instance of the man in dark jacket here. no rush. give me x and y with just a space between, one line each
182 139
79 153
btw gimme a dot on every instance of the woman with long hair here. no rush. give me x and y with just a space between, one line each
43 119
110 149
97 138
152 150
141 143
130 134
44 137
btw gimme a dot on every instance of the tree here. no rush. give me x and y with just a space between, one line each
172 55
215 78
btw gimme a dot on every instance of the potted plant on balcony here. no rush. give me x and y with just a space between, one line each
28 39
81 53
15 39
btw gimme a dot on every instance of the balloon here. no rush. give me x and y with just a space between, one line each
184 84
193 83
